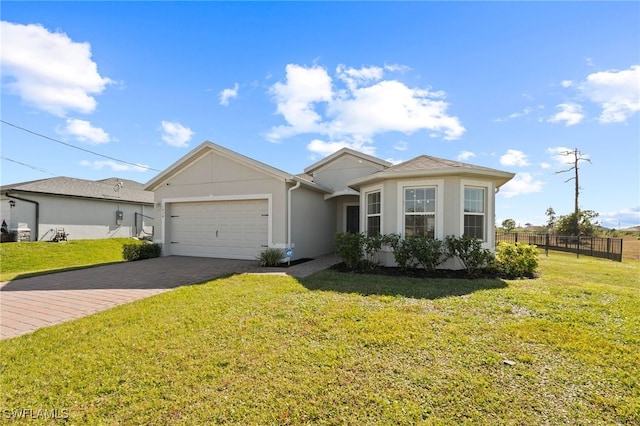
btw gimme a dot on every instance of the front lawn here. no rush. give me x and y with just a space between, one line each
33 258
347 349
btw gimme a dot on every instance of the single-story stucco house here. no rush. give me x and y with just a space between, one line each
214 202
82 209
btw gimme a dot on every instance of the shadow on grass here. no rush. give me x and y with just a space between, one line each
382 285
20 276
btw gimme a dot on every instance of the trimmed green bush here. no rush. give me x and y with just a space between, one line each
349 248
469 252
417 251
271 257
358 251
131 252
516 260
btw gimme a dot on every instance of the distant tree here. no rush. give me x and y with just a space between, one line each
577 157
509 225
566 225
551 219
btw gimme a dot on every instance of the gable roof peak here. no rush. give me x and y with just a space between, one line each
342 152
425 162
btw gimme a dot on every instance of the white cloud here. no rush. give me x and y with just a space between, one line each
296 99
561 155
393 161
401 146
465 155
227 94
566 83
327 148
175 134
617 93
356 77
114 166
49 70
522 183
514 158
525 112
364 105
624 218
396 68
545 165
391 106
570 113
83 131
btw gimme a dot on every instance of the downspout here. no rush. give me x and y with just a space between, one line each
37 227
289 213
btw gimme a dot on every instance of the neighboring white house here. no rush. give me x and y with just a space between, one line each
217 203
84 209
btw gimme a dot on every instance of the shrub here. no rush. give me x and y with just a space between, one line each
371 246
131 252
469 251
415 251
349 247
271 257
358 251
515 260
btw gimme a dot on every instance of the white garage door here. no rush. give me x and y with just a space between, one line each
226 229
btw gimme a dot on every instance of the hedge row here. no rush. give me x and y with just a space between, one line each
131 252
359 253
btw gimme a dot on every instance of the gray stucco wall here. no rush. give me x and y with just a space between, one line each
80 218
337 173
313 223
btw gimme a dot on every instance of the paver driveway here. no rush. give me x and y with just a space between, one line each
32 303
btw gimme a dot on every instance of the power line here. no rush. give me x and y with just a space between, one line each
28 165
78 148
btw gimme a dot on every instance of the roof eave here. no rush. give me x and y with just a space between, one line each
307 184
84 197
499 177
202 150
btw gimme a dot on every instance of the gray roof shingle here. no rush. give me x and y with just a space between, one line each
427 162
105 189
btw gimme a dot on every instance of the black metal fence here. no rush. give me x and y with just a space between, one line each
608 248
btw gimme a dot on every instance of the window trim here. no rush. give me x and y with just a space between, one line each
489 190
364 214
438 184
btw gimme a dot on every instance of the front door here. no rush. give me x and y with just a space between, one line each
353 219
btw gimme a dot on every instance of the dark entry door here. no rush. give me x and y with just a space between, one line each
353 219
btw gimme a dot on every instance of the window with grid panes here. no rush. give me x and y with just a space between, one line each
373 213
420 211
474 212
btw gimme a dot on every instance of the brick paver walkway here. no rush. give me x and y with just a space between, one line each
32 303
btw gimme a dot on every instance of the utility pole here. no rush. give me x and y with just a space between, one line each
577 157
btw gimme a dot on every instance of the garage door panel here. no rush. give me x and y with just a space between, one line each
236 229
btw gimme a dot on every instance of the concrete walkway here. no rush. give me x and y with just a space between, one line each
32 303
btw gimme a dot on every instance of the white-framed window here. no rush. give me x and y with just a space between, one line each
475 209
421 208
373 213
419 211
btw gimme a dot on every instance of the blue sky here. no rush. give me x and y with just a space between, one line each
506 85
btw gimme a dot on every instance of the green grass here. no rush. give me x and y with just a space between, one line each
35 258
340 349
